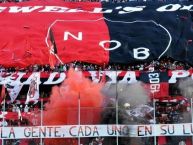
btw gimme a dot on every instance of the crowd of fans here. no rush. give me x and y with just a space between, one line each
173 112
161 65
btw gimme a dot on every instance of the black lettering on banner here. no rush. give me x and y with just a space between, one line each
80 131
110 129
115 130
27 132
56 131
125 130
187 129
148 130
50 131
162 127
70 131
12 132
42 132
2 135
140 129
34 132
87 131
171 129
95 131
184 130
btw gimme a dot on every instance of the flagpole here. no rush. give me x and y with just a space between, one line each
41 140
154 118
4 96
79 115
116 107
3 117
191 111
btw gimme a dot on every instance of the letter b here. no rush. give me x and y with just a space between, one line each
141 53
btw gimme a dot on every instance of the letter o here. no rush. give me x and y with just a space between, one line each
102 44
174 7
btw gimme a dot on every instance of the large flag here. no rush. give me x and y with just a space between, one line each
158 91
156 83
95 32
33 92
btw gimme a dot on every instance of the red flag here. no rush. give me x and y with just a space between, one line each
52 59
158 91
52 49
2 93
103 79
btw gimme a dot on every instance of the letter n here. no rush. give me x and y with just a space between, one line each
67 34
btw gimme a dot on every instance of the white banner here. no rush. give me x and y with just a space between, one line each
74 131
96 76
13 88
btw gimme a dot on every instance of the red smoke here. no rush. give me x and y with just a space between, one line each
64 102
